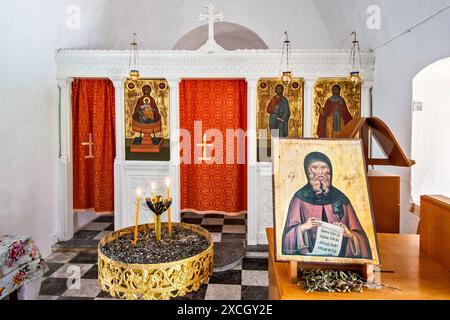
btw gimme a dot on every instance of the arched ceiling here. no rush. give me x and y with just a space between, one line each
230 36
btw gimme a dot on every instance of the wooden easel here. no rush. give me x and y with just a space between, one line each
364 270
362 127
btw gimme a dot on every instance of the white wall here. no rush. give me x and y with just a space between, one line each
30 33
431 131
396 64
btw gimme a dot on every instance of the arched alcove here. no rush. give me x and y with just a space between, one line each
230 36
431 131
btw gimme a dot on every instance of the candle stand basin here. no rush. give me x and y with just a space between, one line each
154 281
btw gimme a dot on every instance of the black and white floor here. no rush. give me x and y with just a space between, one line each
73 275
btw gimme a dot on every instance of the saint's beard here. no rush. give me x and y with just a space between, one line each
320 188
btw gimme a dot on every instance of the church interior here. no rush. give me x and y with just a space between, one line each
224 150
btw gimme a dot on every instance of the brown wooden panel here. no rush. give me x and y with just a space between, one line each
435 228
384 191
419 277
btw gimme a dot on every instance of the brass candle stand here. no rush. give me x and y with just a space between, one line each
158 205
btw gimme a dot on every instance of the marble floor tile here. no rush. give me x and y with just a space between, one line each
190 215
255 264
106 218
212 228
212 221
257 254
226 277
233 237
88 288
223 292
47 297
71 270
101 235
61 257
234 229
105 296
255 278
216 236
234 221
238 266
258 248
241 217
92 273
110 227
85 234
53 287
213 215
100 226
197 221
254 293
85 258
52 267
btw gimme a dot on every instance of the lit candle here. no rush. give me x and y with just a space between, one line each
169 219
138 203
153 200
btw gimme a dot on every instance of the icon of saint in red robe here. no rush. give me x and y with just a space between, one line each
334 116
317 202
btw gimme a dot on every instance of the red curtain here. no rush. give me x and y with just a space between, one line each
218 104
93 116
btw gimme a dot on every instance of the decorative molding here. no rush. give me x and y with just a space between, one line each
183 63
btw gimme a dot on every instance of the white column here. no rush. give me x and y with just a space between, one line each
365 98
252 214
120 219
308 108
65 174
174 164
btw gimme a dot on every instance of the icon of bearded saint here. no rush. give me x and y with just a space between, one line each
317 202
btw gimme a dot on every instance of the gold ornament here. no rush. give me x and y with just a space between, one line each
154 281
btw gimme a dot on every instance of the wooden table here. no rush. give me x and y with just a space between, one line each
419 277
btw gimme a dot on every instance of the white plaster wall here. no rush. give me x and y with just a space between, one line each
431 131
396 64
30 33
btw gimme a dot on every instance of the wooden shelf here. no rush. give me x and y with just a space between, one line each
419 277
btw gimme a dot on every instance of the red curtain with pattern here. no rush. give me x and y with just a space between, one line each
208 187
93 126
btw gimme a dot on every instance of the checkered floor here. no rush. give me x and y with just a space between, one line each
73 275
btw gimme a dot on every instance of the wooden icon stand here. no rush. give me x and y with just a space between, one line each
366 271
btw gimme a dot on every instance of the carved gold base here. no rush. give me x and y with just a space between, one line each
154 281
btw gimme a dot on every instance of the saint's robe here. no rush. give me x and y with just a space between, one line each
278 108
333 118
335 207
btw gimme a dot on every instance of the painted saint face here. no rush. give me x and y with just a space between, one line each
336 90
319 177
279 89
146 90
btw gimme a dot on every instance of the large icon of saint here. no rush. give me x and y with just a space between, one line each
334 116
317 203
278 108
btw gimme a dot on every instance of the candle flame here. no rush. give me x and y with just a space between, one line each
153 185
167 181
138 192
